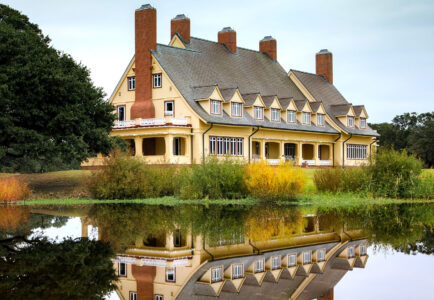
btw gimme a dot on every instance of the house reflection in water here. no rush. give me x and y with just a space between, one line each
180 265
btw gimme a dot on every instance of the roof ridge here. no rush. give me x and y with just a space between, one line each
177 48
216 42
201 86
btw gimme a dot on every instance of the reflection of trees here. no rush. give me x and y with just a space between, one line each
71 269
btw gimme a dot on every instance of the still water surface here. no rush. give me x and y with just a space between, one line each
230 252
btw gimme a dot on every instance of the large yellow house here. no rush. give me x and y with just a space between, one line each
181 102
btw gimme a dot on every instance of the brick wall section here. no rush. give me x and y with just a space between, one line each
229 38
324 65
328 296
146 40
181 26
145 278
269 46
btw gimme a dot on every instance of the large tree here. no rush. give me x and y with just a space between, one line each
52 115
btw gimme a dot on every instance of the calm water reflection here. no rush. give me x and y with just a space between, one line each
229 252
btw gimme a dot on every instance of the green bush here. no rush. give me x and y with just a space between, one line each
355 180
328 180
214 178
394 173
424 188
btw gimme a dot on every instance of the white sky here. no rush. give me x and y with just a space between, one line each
382 50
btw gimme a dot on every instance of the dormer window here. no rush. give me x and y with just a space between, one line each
362 250
236 109
320 119
350 252
132 83
237 271
320 256
216 274
275 262
307 258
306 117
363 123
259 266
259 113
292 260
275 114
156 80
350 121
291 116
216 107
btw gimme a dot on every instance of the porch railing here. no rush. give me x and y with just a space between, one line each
325 163
150 122
309 162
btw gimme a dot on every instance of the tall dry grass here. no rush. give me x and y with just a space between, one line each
13 189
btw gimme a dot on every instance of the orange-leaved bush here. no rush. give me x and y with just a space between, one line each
13 189
281 182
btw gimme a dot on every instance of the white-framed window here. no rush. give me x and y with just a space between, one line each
158 297
307 257
320 119
258 112
131 83
363 250
237 109
350 252
212 145
237 271
275 114
216 274
121 112
216 107
292 260
156 80
350 121
122 269
170 275
320 255
291 116
259 266
306 117
357 151
363 123
177 142
275 262
169 108
133 296
226 146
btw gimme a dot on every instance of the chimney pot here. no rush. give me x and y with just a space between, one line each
228 36
181 25
269 45
324 64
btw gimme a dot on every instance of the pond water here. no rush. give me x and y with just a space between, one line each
133 251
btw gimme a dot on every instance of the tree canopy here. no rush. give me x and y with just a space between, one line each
52 115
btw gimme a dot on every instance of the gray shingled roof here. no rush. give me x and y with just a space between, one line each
249 99
340 109
284 102
315 106
228 93
206 63
358 109
333 101
203 92
268 100
300 104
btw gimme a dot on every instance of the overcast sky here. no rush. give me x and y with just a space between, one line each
383 51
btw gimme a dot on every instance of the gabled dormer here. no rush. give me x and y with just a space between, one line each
234 102
345 114
254 105
318 113
210 98
361 116
272 108
304 112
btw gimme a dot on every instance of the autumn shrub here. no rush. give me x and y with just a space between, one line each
214 178
280 182
13 189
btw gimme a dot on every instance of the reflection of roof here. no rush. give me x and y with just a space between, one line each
284 286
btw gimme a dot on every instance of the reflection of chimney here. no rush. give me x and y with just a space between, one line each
228 36
145 277
146 40
181 25
268 45
328 296
324 64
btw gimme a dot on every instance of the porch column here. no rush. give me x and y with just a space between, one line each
84 228
188 147
299 158
282 149
138 144
169 241
262 156
315 153
168 139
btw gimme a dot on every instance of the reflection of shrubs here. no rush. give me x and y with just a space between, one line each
13 189
214 178
281 182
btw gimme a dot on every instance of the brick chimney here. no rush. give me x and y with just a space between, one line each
146 40
268 45
181 25
228 36
324 64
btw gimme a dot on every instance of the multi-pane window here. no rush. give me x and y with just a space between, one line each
350 121
121 113
170 275
158 297
237 271
320 119
292 260
275 114
306 117
133 296
320 255
362 250
350 252
362 122
169 108
132 83
259 266
259 112
216 107
216 274
291 116
275 262
177 146
156 80
357 151
122 269
307 257
236 109
226 146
